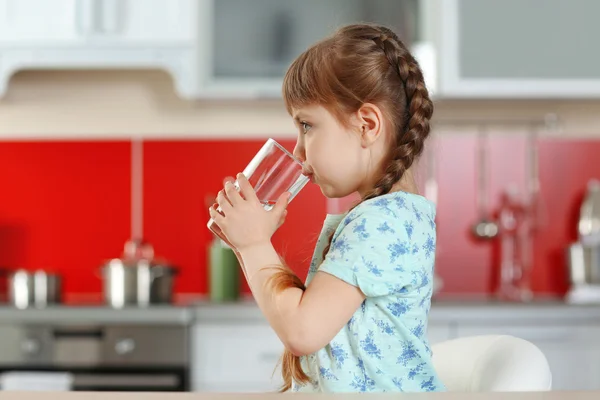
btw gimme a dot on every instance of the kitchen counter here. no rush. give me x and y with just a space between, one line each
357 396
160 315
246 311
442 311
500 312
242 311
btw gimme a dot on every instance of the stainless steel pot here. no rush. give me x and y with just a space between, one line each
137 278
37 288
588 226
584 264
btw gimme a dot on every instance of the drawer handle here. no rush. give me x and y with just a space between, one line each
124 346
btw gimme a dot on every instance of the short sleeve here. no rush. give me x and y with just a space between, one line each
372 253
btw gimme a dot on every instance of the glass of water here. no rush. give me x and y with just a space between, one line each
272 172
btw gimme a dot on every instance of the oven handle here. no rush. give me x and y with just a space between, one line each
126 380
78 333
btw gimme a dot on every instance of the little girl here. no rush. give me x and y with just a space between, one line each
359 324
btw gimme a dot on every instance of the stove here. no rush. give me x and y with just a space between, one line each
142 355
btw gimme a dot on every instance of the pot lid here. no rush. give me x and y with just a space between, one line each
138 252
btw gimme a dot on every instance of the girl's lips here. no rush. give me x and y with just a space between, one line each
310 177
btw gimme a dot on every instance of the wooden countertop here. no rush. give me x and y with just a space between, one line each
357 396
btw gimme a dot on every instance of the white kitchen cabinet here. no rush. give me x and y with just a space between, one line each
38 23
153 22
519 49
572 350
244 357
437 333
247 46
97 34
26 22
235 357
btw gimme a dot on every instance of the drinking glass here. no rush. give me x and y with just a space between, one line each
272 172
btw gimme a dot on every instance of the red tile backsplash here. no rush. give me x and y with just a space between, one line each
65 206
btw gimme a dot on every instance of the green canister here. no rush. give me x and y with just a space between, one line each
224 272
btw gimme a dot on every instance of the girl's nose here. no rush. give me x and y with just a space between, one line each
299 152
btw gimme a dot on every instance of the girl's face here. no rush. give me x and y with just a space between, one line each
337 158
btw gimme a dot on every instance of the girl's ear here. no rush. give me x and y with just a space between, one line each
370 122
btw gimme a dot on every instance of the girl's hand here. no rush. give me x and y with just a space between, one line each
244 221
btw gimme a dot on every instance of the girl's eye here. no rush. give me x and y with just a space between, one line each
305 127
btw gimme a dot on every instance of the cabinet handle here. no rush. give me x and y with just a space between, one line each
31 346
109 15
85 15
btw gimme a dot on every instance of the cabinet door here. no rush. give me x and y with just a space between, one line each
37 22
235 357
520 48
154 22
250 44
573 352
438 333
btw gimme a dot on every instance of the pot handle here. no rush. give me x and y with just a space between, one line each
138 249
157 273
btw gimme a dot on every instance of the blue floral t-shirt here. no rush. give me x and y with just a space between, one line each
386 247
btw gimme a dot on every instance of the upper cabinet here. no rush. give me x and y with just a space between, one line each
156 23
519 49
37 22
213 48
242 48
63 34
248 45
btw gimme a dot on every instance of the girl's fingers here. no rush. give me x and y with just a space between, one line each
216 216
232 194
247 189
223 202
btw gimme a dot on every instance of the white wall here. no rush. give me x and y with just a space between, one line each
101 104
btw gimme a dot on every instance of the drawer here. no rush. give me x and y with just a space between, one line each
575 335
235 355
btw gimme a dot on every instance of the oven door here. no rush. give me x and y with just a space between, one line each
131 379
101 358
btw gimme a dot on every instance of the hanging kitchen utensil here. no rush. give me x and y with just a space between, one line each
588 226
485 228
137 189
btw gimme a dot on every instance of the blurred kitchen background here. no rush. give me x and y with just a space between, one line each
120 118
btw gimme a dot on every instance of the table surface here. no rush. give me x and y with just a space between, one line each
556 395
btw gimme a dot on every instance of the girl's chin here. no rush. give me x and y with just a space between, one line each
328 191
331 192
